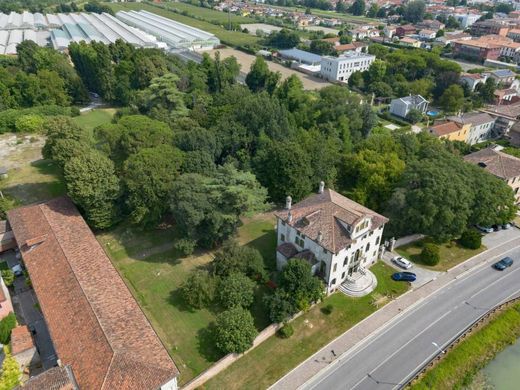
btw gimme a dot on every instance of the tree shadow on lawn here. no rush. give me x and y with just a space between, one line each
206 343
266 245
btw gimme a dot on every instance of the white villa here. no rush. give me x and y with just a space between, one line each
337 236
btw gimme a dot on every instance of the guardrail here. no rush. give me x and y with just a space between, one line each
454 341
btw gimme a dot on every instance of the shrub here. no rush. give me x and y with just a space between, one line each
10 376
8 276
6 326
236 290
185 246
471 239
198 290
235 330
327 309
280 305
235 258
430 254
31 123
286 331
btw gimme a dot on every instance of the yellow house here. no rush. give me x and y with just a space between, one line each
451 131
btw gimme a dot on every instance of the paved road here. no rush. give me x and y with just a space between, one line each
388 357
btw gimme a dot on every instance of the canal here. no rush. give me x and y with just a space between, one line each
503 372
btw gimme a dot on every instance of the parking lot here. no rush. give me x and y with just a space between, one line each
424 275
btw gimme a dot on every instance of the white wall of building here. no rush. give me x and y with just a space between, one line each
341 68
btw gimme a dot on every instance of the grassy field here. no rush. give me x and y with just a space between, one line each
210 14
273 358
232 38
94 118
33 182
154 271
459 366
451 254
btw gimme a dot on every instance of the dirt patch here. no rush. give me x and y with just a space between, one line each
17 151
245 60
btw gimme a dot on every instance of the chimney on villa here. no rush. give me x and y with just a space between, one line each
322 187
320 237
288 203
289 217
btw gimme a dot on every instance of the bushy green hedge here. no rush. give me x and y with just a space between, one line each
471 239
10 118
430 254
286 331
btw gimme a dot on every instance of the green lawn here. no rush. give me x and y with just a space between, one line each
459 366
451 254
34 182
95 118
232 38
154 271
209 14
268 362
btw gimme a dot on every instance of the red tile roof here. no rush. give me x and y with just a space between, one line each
326 213
95 323
496 162
56 378
21 339
445 128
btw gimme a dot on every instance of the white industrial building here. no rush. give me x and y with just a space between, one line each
176 35
341 68
141 29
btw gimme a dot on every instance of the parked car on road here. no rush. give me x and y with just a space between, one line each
503 264
506 226
17 270
484 229
496 228
402 262
404 276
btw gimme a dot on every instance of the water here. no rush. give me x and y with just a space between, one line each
503 371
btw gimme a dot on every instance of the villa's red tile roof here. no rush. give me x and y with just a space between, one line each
95 323
326 213
56 378
21 339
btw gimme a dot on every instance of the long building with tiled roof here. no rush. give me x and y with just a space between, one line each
336 235
96 326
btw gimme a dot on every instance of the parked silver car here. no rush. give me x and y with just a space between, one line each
402 262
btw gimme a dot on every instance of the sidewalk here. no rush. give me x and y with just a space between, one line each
354 336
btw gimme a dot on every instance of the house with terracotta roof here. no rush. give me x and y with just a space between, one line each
500 164
96 326
407 29
23 348
6 237
481 125
338 237
451 131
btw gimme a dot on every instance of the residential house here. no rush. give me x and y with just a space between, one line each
341 68
410 42
504 77
6 305
337 236
110 344
427 34
431 25
23 349
467 19
449 37
476 49
490 26
500 164
389 31
506 116
407 29
514 34
451 131
481 126
505 96
56 378
402 106
510 50
473 79
7 240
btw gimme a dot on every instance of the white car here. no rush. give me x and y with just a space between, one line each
402 262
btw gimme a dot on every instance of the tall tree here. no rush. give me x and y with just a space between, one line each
414 11
261 78
93 185
358 8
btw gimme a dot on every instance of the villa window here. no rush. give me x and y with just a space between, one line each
335 267
282 237
368 247
299 241
346 261
333 281
377 241
343 276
